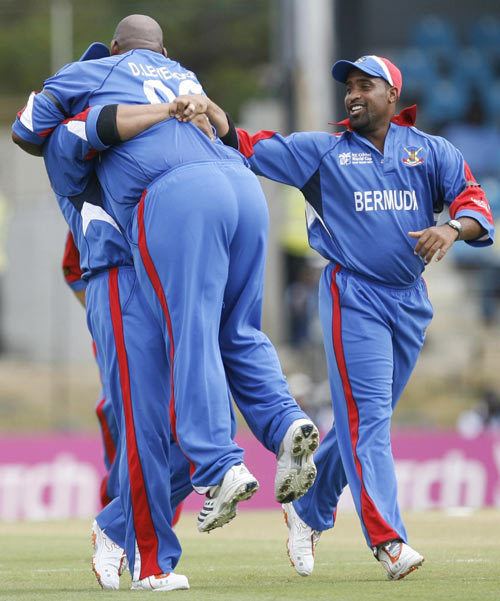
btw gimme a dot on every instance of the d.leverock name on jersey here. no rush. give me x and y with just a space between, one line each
386 200
140 70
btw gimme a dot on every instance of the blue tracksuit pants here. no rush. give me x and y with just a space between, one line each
112 520
127 337
373 335
248 357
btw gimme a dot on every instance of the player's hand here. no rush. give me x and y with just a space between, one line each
202 123
434 242
188 106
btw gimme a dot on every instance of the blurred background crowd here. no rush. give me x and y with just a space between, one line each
267 62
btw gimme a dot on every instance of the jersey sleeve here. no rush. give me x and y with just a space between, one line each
36 121
91 129
462 193
64 94
290 160
71 265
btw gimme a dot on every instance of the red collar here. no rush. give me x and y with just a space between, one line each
407 117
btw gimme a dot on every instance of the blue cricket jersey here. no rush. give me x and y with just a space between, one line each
136 77
361 204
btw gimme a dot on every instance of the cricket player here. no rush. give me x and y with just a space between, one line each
372 197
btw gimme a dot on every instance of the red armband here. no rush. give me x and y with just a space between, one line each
472 198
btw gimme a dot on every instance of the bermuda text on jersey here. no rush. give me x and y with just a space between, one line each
386 200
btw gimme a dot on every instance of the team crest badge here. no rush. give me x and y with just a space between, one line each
412 157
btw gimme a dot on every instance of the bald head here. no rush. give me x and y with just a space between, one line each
137 31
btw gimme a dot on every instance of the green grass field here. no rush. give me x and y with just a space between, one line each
247 561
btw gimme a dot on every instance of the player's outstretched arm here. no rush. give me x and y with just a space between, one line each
104 126
292 160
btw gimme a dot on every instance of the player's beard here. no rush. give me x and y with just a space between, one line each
366 123
362 122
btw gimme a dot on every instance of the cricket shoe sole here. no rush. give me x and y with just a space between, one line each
296 471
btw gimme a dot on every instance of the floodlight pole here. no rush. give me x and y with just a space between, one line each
314 42
61 31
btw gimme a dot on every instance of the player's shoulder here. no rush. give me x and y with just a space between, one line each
338 137
176 66
97 67
430 139
439 146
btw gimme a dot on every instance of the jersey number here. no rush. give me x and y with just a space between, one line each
157 92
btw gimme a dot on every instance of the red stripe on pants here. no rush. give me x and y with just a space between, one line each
145 532
378 530
158 288
109 448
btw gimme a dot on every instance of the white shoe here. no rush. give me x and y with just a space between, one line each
296 471
302 541
220 507
398 559
162 582
108 561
